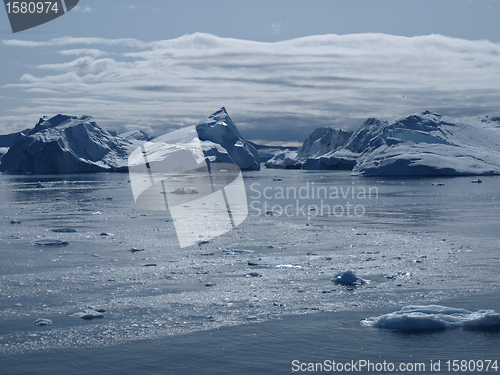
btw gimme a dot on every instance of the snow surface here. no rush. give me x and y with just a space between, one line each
419 144
434 317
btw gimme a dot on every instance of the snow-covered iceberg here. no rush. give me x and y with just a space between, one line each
434 317
415 145
432 144
66 144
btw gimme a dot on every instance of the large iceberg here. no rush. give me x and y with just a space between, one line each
222 140
432 144
66 144
416 145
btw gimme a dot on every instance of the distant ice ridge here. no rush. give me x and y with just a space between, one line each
69 144
434 317
420 144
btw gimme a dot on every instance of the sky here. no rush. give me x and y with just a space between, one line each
280 67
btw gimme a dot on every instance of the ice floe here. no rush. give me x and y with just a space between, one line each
434 317
43 322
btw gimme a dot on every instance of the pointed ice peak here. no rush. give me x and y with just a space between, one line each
219 115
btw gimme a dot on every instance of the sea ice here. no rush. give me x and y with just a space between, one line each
434 317
48 242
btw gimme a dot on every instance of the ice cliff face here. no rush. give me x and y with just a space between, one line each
221 139
420 144
318 143
66 144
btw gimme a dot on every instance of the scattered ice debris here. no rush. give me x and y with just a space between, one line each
14 221
348 278
399 275
184 191
90 313
438 183
134 250
478 181
237 251
48 242
41 185
150 265
43 322
64 230
253 274
434 317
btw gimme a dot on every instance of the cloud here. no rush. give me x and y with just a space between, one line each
274 91
83 51
80 9
276 28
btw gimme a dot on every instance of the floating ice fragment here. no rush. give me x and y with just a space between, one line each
49 242
88 314
150 265
13 221
478 181
43 322
434 317
63 230
134 250
348 278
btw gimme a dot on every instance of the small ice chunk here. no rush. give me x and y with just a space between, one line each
184 191
63 230
134 250
88 314
49 242
43 322
13 221
347 278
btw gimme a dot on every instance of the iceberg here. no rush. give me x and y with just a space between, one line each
434 317
417 145
432 144
223 143
66 144
319 142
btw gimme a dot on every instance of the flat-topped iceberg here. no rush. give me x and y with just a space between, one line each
434 317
